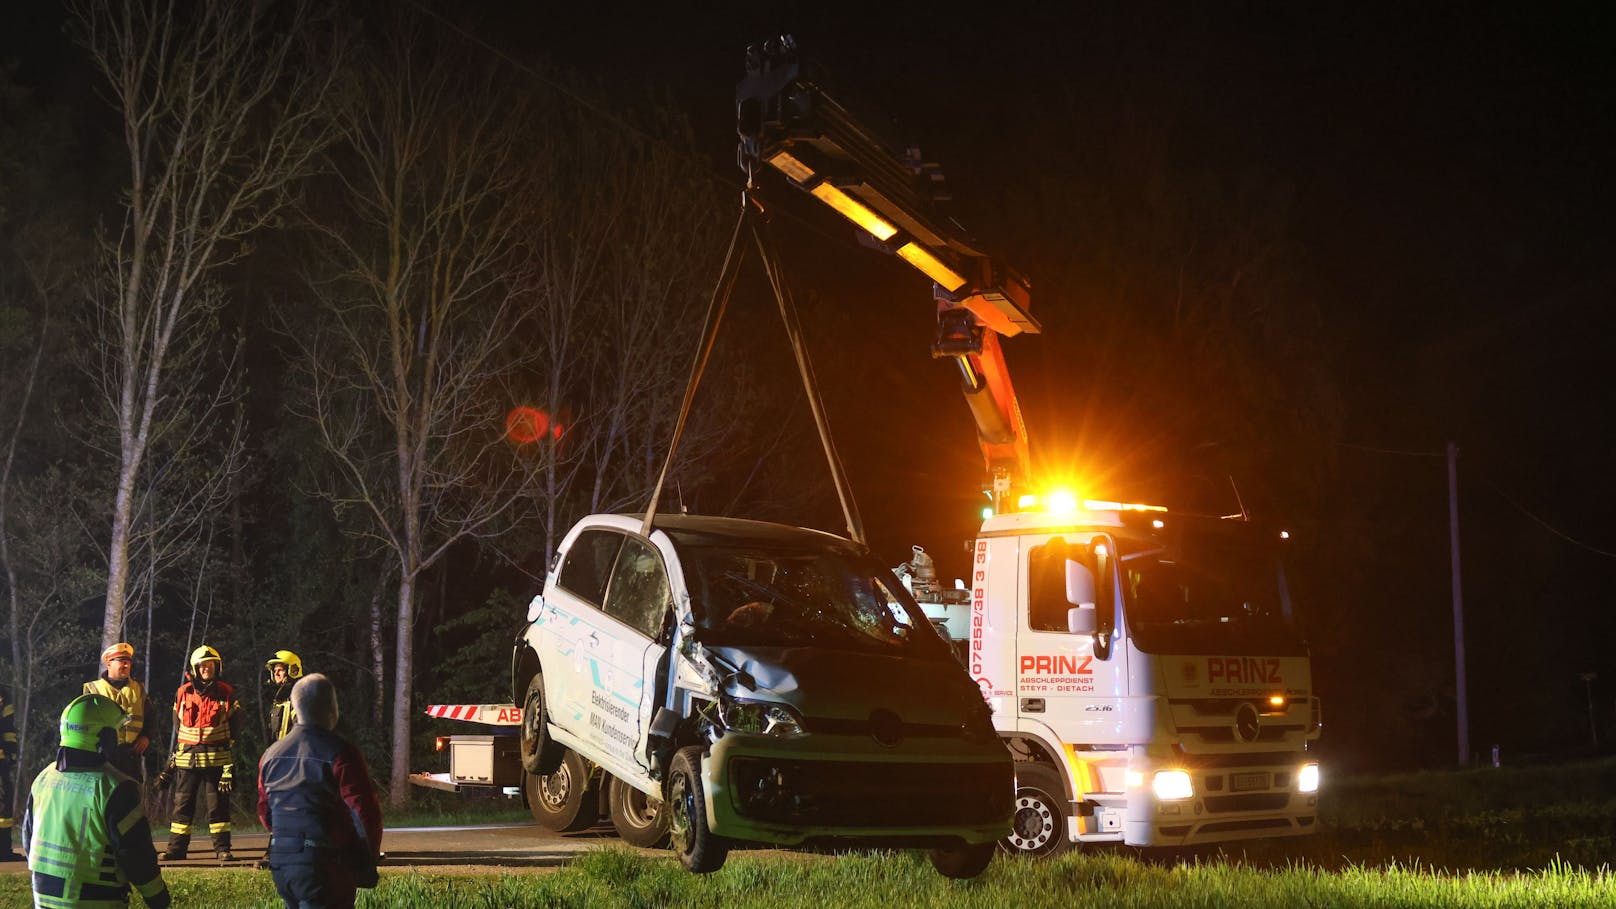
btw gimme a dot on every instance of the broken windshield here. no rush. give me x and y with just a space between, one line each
799 596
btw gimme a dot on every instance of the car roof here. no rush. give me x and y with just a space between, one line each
705 528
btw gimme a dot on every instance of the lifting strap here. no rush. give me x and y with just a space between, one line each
752 218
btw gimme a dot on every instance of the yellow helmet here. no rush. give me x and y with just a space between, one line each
202 654
292 662
91 722
119 649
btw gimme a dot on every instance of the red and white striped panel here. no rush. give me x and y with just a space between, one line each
486 714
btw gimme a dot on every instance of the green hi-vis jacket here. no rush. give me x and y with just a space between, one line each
87 837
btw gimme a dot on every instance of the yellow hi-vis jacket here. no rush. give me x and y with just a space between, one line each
132 698
87 837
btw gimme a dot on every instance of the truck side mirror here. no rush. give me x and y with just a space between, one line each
1079 584
1080 619
1105 599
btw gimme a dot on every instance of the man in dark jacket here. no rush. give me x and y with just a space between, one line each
8 773
86 832
316 800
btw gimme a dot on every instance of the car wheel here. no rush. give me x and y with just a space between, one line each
698 848
540 754
562 801
963 861
1038 829
638 818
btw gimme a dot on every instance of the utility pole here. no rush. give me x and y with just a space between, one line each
1458 606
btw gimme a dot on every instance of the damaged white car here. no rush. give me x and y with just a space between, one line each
738 681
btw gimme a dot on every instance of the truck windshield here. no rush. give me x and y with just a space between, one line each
746 595
1200 592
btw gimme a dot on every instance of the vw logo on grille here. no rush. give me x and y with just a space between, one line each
886 728
1246 723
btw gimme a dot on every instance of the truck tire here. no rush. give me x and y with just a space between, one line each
540 755
563 801
639 819
1038 829
699 849
964 861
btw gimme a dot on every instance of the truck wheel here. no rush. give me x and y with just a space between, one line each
540 755
963 861
638 818
1038 829
562 801
699 849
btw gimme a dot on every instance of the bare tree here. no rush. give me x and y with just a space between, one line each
424 255
219 107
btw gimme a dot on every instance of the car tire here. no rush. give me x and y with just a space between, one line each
563 801
964 861
1038 828
699 849
540 754
639 819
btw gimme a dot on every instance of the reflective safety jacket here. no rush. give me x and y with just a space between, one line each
129 695
205 714
282 717
88 838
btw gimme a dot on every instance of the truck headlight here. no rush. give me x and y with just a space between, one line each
760 717
1172 785
1307 779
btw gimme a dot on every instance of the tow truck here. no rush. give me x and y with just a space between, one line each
1143 666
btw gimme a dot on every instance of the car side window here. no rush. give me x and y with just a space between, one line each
638 596
588 564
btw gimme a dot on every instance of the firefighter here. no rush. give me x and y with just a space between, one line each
316 800
118 685
87 835
8 773
285 668
206 715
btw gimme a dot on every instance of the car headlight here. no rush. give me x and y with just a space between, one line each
1307 779
1172 785
760 717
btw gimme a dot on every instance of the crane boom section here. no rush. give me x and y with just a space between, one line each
791 125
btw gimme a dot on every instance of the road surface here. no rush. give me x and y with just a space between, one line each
513 847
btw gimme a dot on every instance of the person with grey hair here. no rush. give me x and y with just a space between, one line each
316 800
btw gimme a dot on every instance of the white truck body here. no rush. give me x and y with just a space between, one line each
1214 692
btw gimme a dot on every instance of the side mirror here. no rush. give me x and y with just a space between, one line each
1105 599
1079 584
1080 619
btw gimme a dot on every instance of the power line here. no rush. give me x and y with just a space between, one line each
1393 451
1545 524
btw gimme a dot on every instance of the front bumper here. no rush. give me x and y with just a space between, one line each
925 792
1230 803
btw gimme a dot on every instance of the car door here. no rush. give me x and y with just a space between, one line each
638 601
1062 681
569 625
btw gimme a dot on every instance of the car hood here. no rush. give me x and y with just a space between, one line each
844 685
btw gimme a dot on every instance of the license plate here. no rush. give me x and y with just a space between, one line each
1246 782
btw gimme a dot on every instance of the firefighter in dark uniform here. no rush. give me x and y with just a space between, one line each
8 773
285 668
87 835
118 685
316 800
206 715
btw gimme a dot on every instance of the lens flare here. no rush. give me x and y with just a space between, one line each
524 425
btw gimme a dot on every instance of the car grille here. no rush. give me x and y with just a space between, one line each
870 794
1261 801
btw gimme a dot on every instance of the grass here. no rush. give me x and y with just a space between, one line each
612 877
1487 838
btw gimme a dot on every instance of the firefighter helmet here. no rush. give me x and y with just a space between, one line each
91 722
202 654
119 649
292 662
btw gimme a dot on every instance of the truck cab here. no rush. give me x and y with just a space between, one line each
753 682
1145 670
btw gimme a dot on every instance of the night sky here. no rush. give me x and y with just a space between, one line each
1450 220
